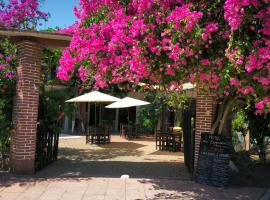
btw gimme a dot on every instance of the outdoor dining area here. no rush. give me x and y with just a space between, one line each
168 139
100 133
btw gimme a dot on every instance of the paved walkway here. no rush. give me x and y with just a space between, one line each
119 189
137 158
93 172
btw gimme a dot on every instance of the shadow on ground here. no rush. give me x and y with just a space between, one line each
258 175
64 169
191 190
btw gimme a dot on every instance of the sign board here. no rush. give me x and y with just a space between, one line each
213 162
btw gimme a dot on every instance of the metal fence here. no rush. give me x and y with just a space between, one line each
46 145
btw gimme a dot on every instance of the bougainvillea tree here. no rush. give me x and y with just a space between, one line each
223 47
21 14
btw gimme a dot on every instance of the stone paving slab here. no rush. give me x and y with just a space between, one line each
121 189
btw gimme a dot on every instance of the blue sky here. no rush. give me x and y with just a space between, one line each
61 12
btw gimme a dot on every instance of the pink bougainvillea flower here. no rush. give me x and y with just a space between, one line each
205 62
9 75
165 42
8 59
259 105
234 81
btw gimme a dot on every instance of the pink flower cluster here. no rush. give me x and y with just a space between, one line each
170 42
118 48
234 11
263 104
183 13
15 12
210 28
90 8
6 70
83 73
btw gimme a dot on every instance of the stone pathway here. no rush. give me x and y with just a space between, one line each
119 189
92 172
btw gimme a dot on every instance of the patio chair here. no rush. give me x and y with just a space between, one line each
158 139
123 129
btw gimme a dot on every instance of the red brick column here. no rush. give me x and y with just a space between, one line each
205 108
25 108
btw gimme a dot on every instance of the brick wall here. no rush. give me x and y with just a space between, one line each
25 108
205 108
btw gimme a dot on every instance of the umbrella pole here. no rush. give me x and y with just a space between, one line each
95 115
128 115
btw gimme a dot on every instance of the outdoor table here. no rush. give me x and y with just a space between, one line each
98 135
168 141
129 131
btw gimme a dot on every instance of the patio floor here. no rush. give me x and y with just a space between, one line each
136 158
93 172
119 189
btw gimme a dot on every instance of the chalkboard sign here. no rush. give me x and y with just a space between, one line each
213 162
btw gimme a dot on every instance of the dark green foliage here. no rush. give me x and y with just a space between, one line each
259 126
7 91
54 93
148 115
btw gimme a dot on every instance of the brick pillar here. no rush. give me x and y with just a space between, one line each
205 107
25 108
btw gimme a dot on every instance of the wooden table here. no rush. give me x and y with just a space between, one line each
129 131
98 135
168 141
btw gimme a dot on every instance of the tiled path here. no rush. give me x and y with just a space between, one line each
93 172
119 189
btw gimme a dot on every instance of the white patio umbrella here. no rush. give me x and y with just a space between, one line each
94 97
127 102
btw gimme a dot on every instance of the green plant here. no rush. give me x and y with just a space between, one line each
240 122
7 91
148 116
52 100
259 126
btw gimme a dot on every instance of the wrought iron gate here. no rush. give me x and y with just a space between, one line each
46 145
188 125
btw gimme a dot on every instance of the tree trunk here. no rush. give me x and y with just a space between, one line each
177 118
227 128
223 121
